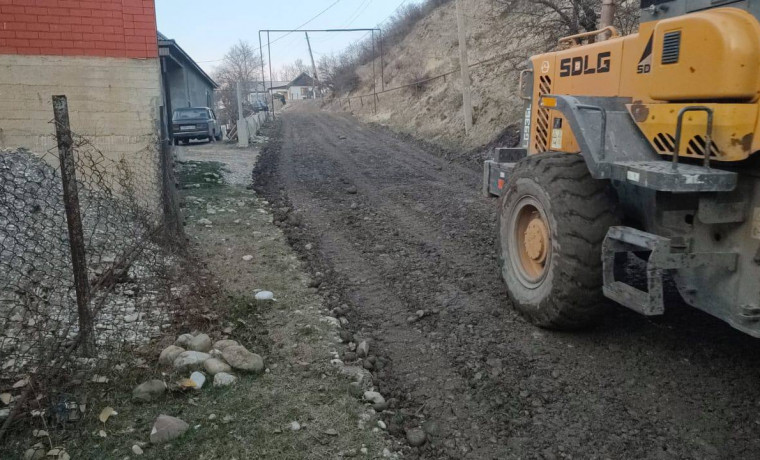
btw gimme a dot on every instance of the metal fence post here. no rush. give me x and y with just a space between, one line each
74 222
173 227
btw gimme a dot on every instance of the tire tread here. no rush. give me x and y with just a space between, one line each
584 209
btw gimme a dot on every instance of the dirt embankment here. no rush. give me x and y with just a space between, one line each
433 111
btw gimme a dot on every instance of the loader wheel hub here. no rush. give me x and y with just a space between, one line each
536 240
530 242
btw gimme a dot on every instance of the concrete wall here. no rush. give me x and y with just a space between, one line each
114 102
190 91
298 93
294 93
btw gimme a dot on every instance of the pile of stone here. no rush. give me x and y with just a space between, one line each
198 355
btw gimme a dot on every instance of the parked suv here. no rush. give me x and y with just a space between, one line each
195 123
260 106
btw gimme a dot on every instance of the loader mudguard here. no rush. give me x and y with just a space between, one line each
615 149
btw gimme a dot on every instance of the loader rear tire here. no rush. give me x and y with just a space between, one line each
553 220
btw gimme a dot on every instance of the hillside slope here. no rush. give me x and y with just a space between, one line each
433 111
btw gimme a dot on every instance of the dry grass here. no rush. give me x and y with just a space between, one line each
432 48
300 384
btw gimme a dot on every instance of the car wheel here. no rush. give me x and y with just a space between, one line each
176 141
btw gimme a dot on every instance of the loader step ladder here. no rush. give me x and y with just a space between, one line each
498 169
664 255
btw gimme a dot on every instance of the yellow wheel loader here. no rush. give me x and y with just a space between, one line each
647 144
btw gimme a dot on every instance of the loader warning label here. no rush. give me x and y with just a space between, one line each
756 224
557 134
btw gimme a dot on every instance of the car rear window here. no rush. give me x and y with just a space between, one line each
189 114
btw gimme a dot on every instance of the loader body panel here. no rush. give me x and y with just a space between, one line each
669 116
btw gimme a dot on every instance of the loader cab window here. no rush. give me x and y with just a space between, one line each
648 3
654 10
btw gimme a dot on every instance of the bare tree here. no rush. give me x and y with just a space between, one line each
546 21
290 72
241 64
338 74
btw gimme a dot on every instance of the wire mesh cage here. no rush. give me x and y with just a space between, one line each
46 344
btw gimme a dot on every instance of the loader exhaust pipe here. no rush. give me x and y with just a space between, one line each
607 18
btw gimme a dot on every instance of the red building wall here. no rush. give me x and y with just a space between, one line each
111 28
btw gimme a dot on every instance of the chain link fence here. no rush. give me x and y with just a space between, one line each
75 298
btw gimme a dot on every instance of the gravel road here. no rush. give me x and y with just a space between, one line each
396 229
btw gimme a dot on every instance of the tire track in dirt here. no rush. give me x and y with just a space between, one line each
397 230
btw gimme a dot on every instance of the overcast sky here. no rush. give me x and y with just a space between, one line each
206 29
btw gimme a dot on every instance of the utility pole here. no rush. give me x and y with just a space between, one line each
271 80
263 75
239 96
314 67
382 62
464 63
242 127
607 17
374 75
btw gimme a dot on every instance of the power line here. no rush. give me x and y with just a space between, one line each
307 22
381 22
358 13
352 18
283 36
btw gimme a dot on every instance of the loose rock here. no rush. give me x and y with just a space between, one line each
264 296
167 428
137 450
149 391
240 358
374 397
131 318
416 437
198 378
184 340
200 342
363 349
190 360
222 344
224 379
214 366
169 354
36 452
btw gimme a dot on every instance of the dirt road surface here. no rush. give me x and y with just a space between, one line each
406 245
